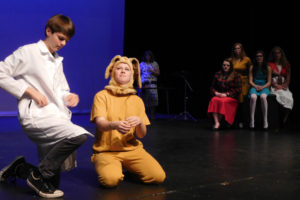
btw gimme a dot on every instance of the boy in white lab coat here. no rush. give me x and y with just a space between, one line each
34 75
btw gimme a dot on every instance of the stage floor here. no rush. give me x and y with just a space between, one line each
199 163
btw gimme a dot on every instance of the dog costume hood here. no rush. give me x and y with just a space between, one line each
128 88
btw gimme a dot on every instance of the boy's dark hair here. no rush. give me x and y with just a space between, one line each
61 23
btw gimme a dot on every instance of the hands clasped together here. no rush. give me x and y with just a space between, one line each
125 125
219 94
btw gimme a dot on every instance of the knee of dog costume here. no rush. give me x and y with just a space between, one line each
111 180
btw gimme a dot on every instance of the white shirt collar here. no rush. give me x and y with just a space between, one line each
44 49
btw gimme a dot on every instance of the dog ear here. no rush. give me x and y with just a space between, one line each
109 68
136 69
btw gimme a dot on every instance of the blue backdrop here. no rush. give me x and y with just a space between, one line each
99 34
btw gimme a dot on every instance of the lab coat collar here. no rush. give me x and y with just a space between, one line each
44 49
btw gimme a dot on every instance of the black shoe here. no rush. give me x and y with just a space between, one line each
241 125
215 129
10 171
55 180
265 128
42 187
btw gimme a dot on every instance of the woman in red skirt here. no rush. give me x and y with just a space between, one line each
225 89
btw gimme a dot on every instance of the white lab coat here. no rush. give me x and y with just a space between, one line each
34 66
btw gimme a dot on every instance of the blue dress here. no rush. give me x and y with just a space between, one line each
260 79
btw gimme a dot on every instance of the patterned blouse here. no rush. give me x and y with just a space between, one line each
280 75
232 87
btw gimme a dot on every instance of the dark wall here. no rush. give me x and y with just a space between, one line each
192 39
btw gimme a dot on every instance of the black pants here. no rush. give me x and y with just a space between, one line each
52 162
50 166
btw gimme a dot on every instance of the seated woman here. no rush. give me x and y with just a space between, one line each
120 118
281 75
260 75
226 88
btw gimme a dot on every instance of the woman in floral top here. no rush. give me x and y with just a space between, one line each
281 76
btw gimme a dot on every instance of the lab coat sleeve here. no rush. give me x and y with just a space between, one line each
13 66
65 89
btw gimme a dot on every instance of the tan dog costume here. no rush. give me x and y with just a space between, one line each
112 149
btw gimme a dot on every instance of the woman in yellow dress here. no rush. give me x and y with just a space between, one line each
241 64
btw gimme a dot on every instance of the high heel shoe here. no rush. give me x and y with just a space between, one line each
266 127
251 126
216 128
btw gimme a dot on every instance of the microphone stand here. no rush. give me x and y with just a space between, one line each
185 115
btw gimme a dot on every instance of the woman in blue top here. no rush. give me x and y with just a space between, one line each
260 76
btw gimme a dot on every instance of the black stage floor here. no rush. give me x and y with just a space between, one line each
199 163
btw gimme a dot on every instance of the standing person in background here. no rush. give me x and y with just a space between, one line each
241 64
225 89
260 75
149 73
281 76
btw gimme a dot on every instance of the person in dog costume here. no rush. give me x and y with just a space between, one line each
120 118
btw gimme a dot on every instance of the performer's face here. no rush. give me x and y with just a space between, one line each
259 57
55 41
237 50
122 74
226 66
277 54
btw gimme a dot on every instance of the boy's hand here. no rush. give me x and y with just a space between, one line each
72 100
38 97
